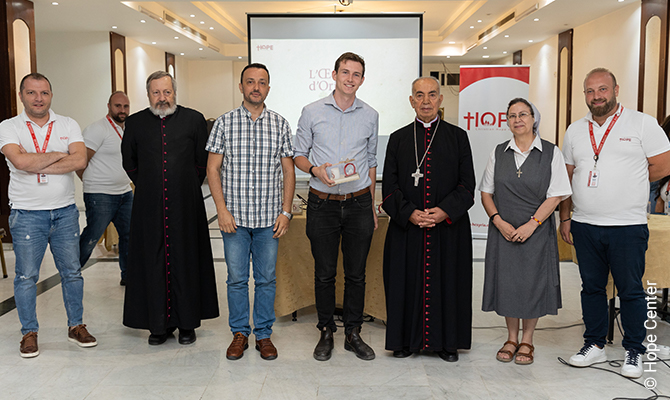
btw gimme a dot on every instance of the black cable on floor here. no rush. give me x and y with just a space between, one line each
617 364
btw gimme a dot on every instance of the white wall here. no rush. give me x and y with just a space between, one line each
80 76
211 87
141 61
613 42
183 88
543 60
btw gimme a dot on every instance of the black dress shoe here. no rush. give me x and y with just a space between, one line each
159 338
353 342
404 353
186 336
449 356
324 348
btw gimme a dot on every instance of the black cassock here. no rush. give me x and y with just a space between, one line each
170 273
428 271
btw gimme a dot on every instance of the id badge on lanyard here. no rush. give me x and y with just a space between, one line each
41 178
594 174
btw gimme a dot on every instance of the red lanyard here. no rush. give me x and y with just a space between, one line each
114 126
667 189
46 140
596 151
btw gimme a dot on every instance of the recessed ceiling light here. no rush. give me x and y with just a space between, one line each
479 20
448 56
176 37
114 26
181 54
530 41
472 27
153 42
452 42
211 28
485 56
143 21
504 52
536 19
239 57
202 22
200 48
192 15
506 35
55 3
485 48
620 1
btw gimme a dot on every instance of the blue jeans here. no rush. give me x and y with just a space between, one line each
101 209
262 247
32 231
621 250
327 222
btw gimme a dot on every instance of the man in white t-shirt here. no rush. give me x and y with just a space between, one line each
42 151
107 193
611 155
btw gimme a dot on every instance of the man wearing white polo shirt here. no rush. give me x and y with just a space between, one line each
107 193
611 155
43 150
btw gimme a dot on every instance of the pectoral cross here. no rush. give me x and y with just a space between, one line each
417 175
518 173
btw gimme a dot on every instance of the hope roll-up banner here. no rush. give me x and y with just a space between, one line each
485 91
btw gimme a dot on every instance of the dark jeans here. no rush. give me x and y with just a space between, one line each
621 250
101 209
327 221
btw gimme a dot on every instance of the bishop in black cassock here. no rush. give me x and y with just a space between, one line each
170 274
428 187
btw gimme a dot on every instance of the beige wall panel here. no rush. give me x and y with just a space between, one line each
612 41
542 91
142 61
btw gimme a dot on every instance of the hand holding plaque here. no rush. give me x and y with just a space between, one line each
344 171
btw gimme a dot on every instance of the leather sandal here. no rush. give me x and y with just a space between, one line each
528 355
509 353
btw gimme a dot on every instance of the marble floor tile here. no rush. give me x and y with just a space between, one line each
124 366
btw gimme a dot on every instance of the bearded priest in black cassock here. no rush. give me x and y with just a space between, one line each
170 276
428 187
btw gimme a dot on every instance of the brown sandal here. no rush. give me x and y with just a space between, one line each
528 355
509 353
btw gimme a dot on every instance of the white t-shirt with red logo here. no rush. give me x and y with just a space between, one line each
25 193
622 191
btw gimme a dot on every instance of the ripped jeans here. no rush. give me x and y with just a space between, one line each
31 231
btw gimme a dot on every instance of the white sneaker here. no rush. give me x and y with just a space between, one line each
632 365
589 354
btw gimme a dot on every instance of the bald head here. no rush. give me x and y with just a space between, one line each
118 107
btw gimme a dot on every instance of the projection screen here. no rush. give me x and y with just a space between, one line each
300 53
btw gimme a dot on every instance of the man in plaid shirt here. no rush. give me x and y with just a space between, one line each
249 150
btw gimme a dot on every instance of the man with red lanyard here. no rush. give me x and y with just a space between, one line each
611 155
107 193
43 150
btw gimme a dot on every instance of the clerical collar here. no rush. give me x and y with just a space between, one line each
428 124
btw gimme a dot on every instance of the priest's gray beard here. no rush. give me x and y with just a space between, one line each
163 112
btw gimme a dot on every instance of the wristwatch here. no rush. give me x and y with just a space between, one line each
310 171
287 215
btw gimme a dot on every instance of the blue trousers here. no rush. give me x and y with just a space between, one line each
238 247
31 231
621 251
101 209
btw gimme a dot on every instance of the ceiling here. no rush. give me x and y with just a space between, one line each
454 31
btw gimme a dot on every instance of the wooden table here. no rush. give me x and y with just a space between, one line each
295 272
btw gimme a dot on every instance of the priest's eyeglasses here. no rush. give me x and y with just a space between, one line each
522 115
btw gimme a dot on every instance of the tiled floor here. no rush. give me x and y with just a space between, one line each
124 366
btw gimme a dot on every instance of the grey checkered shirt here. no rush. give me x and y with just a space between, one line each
251 172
